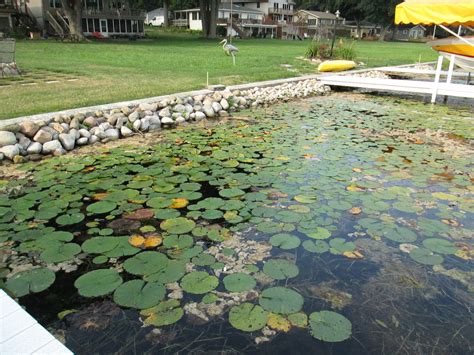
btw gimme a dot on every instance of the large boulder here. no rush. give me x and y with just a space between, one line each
67 140
34 148
10 151
29 128
43 136
7 138
51 146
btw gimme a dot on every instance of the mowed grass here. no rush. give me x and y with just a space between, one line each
118 70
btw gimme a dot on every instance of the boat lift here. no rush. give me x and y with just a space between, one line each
457 49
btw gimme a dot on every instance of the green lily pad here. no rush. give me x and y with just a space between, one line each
112 247
146 263
281 300
70 218
199 282
101 207
239 282
159 202
210 298
319 233
178 241
248 317
203 260
165 313
340 245
330 326
178 225
138 294
231 193
317 246
400 235
98 282
60 252
30 281
441 246
426 256
172 272
280 269
285 241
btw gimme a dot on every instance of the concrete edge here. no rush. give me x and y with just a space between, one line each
115 105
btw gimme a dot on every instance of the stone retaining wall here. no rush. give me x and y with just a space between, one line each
32 139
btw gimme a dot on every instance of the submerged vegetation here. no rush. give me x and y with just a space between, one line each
334 220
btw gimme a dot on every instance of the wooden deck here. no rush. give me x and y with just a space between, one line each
21 334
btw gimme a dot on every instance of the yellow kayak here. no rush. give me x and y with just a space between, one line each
336 65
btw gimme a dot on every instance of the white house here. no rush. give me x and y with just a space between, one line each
277 11
155 17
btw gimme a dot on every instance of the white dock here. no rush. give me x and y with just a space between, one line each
21 334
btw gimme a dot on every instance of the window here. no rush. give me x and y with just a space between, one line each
258 5
129 26
84 25
140 26
275 6
90 25
96 25
116 26
195 15
110 25
134 26
122 26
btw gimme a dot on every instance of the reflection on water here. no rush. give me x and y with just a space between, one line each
370 199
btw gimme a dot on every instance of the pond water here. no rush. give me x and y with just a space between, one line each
333 225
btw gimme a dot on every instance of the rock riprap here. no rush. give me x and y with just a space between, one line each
60 134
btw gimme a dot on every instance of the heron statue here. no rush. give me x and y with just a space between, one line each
229 49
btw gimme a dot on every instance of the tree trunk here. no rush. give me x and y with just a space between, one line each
209 11
383 30
213 19
73 12
204 5
166 4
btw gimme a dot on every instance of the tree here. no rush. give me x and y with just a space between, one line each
73 12
380 12
209 10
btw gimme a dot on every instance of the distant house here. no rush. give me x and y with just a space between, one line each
362 29
310 23
407 33
155 17
245 22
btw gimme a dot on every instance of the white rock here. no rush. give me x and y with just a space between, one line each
224 104
121 121
125 131
148 107
93 139
188 108
34 148
136 125
7 138
165 112
51 146
216 106
133 116
82 141
75 132
167 120
145 123
180 119
209 111
67 140
84 133
112 134
179 108
10 151
24 142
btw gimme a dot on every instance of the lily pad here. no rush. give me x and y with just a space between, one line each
239 282
30 281
248 317
330 326
280 269
70 218
441 246
165 313
426 256
112 247
319 233
231 193
60 252
138 294
317 246
281 300
199 282
98 282
340 245
178 225
146 263
101 207
172 272
285 241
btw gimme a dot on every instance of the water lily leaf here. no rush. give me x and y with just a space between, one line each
306 198
239 282
299 319
199 282
231 193
178 225
138 294
330 326
317 246
285 241
101 259
281 300
101 207
178 203
159 202
319 233
278 322
165 313
203 260
248 317
57 253
146 263
172 272
30 281
167 213
98 282
400 235
210 298
140 214
280 269
70 218
441 246
426 256
340 245
212 214
178 241
112 247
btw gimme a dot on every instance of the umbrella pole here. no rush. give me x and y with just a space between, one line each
437 77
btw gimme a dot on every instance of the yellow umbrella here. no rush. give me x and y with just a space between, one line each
435 12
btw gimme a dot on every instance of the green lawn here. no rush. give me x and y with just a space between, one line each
118 70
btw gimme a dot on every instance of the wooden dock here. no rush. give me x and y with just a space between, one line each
21 334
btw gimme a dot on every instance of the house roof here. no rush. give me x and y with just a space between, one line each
319 14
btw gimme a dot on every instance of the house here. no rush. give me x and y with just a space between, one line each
315 23
109 18
362 29
7 10
155 17
407 33
275 11
246 22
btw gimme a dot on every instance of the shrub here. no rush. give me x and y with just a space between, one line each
317 50
344 51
